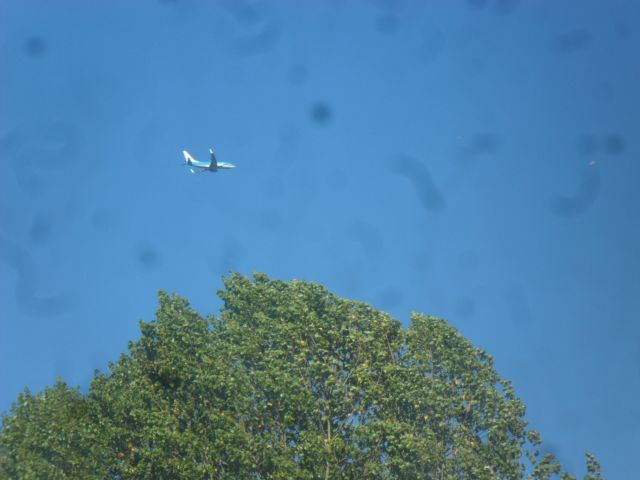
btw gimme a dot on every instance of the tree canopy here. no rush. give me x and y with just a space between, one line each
289 381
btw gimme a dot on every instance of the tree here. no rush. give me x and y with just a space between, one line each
289 381
50 436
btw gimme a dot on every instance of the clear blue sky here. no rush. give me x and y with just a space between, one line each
475 160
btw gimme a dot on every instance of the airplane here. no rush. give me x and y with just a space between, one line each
211 166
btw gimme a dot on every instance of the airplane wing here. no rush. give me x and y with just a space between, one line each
213 166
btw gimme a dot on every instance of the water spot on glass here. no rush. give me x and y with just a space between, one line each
433 42
321 113
477 145
255 43
370 239
573 41
41 227
40 146
27 289
484 144
588 144
428 194
477 3
506 6
148 257
388 5
387 24
614 144
244 12
585 196
232 254
35 46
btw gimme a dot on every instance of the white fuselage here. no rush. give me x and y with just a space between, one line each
199 164
212 165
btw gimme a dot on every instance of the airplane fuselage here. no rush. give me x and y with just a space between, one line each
207 164
213 165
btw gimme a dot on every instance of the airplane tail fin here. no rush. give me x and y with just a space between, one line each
188 159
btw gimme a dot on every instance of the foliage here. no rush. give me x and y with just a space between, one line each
50 436
289 382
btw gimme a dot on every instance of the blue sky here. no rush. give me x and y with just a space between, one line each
475 160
